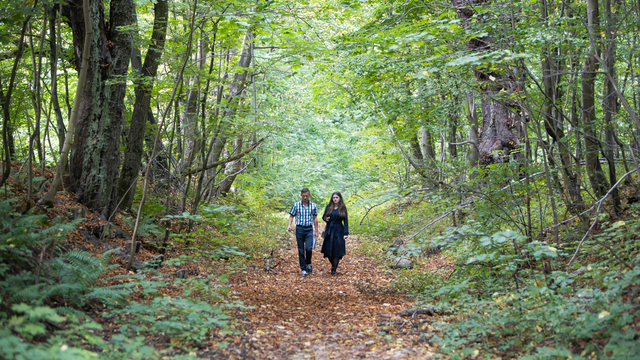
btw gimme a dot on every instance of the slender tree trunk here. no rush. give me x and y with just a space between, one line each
453 128
416 150
88 27
5 102
53 64
141 108
591 143
232 169
192 134
610 102
426 146
236 88
472 116
36 88
553 125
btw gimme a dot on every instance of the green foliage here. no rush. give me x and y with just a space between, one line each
505 304
185 320
146 226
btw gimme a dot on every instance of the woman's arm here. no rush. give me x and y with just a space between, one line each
346 223
324 217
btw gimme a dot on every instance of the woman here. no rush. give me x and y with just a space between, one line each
336 231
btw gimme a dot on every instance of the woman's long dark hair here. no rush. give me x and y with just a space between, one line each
342 208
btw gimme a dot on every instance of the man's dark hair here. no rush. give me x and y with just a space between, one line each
304 190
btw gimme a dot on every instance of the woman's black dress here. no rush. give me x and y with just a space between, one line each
333 245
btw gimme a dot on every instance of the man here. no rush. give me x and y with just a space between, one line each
306 214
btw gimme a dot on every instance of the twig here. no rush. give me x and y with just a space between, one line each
365 215
413 312
406 321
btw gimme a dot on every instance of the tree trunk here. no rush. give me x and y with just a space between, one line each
453 128
472 116
53 64
144 86
5 102
232 169
236 89
553 124
591 143
426 146
416 150
95 159
610 102
88 27
501 130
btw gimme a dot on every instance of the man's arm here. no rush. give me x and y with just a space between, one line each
291 217
315 225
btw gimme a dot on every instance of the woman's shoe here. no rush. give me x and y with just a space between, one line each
333 273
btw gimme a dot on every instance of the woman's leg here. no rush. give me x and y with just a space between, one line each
334 263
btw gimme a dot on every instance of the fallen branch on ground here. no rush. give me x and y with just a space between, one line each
425 311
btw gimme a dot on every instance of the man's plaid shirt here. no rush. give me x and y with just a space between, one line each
304 214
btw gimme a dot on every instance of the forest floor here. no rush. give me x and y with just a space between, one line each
353 315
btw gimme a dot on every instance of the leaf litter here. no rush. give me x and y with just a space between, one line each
324 317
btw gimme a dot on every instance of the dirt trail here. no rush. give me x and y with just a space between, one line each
353 315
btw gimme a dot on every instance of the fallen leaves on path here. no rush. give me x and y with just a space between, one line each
321 316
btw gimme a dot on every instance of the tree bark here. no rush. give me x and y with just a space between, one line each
144 86
426 145
472 116
416 150
95 157
232 169
88 27
591 143
610 101
53 64
453 129
501 129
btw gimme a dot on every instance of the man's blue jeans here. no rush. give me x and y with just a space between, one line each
304 237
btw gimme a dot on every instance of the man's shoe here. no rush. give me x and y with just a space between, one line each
304 273
309 268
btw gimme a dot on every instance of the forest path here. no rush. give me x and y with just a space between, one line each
353 315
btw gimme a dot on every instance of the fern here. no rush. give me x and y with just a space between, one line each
110 295
30 294
145 227
69 312
77 266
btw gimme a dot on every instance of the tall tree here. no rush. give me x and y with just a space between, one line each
501 129
551 78
95 157
141 110
5 101
589 71
52 13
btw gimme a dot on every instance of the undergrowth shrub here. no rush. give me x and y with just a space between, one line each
36 290
512 300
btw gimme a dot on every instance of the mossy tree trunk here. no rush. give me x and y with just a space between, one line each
95 156
501 131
